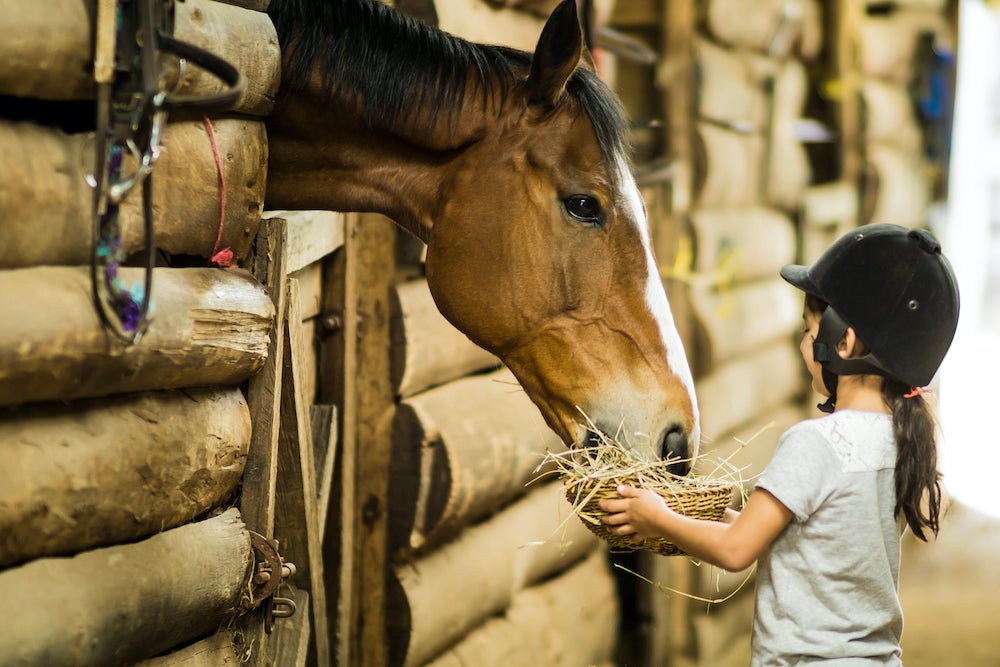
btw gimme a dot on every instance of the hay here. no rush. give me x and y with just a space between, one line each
594 474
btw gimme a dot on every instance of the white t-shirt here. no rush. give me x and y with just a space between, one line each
827 589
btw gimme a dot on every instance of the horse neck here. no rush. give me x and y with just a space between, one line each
327 151
324 155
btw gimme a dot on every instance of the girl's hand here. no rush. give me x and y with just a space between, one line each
638 513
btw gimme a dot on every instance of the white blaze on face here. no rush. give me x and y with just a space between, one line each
656 298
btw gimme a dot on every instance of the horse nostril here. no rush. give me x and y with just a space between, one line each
675 446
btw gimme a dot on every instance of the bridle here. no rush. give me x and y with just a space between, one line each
131 117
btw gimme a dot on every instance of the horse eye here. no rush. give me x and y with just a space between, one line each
583 208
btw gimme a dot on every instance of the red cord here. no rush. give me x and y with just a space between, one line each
224 257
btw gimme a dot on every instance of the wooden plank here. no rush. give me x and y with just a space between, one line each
214 651
128 466
439 598
312 235
568 621
257 501
208 327
337 376
460 451
43 186
427 350
121 604
289 645
323 419
296 521
310 278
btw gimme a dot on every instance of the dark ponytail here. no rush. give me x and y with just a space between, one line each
913 428
916 472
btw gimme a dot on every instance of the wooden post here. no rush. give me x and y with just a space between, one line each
264 397
367 426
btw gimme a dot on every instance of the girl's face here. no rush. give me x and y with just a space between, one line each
809 332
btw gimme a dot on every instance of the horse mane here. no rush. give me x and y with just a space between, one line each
367 50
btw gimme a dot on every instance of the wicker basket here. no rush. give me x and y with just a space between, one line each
696 497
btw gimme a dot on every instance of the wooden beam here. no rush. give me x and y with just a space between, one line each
296 520
372 274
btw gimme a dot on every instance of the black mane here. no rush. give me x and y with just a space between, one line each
364 48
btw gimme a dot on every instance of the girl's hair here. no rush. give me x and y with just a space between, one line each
914 429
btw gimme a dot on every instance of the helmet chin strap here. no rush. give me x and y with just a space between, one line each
832 328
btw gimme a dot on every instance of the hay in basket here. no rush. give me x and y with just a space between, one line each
594 474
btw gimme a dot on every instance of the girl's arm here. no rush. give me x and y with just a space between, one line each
732 544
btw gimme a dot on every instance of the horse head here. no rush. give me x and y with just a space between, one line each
540 252
514 169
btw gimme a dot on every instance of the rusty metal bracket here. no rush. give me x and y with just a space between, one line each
269 573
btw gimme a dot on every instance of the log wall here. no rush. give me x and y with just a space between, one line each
120 539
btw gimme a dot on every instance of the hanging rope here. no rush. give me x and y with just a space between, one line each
222 258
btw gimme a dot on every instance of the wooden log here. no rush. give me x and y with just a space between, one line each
746 388
438 599
736 168
889 115
460 451
732 86
128 466
244 38
566 622
750 94
740 244
477 21
727 167
886 44
753 25
209 327
536 7
740 318
118 605
828 211
47 51
42 186
902 189
427 350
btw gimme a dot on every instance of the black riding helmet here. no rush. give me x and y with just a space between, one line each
893 286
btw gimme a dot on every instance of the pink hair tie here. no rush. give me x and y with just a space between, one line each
917 391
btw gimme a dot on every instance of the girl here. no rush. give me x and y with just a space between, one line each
827 514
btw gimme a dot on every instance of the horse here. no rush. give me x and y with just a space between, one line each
514 169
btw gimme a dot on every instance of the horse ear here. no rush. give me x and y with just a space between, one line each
556 56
